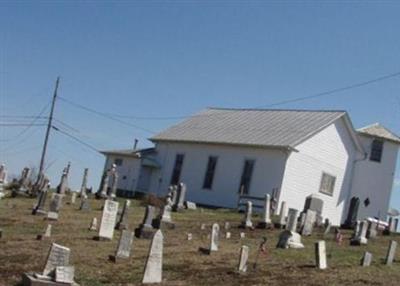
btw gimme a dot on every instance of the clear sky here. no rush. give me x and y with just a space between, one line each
167 59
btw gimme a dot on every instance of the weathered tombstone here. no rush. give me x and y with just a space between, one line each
46 234
282 215
203 226
366 259
124 246
85 204
315 203
174 194
353 213
360 237
243 257
227 225
181 197
62 187
153 268
24 180
289 239
58 256
228 235
372 230
146 230
190 205
113 191
40 205
327 229
108 219
102 192
247 223
396 224
123 222
93 225
84 183
302 220
242 235
65 274
55 206
214 237
73 198
320 254
164 218
189 236
266 219
391 252
309 222
291 224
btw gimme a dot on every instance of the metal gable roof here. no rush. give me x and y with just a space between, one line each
377 130
255 127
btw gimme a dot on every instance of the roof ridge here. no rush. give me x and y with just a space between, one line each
273 109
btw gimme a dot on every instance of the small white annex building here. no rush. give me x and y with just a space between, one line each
289 154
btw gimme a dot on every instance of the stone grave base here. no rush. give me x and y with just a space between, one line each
116 259
163 224
145 232
39 212
52 216
28 279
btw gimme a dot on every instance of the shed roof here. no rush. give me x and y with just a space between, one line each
377 130
254 127
138 153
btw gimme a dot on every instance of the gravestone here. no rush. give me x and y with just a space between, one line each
153 268
203 226
123 222
228 235
366 259
327 229
174 194
124 246
85 205
62 187
146 230
46 234
246 223
93 225
372 230
266 218
108 219
82 193
360 237
282 215
315 203
320 254
302 220
227 225
164 218
243 257
73 198
40 205
180 197
391 252
353 213
309 222
65 274
55 206
58 256
396 224
289 239
190 205
24 180
113 190
242 235
214 237
291 224
102 192
189 236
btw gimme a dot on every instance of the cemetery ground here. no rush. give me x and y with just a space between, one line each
183 264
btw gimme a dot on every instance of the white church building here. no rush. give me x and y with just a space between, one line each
290 154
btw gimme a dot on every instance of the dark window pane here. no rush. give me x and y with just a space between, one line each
376 151
209 176
118 161
246 176
176 172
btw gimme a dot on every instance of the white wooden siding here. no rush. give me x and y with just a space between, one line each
330 151
129 169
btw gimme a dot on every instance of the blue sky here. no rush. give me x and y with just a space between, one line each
166 59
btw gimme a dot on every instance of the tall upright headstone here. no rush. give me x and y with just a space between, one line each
247 223
320 254
41 200
366 259
102 192
146 230
153 266
309 222
352 213
180 197
24 180
361 235
214 237
124 246
391 252
266 216
282 214
82 193
292 220
244 256
372 229
62 187
123 222
55 206
113 192
108 220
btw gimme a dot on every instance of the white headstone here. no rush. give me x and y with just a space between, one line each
108 219
267 208
391 252
214 237
247 216
153 268
292 220
282 214
244 256
320 254
58 256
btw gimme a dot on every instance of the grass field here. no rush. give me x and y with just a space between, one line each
183 264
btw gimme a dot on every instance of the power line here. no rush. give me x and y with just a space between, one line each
115 117
75 138
20 125
105 115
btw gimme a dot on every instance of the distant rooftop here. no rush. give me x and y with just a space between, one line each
253 127
377 130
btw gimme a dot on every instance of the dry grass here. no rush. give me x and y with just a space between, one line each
183 263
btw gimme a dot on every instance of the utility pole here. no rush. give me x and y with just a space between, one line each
46 138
